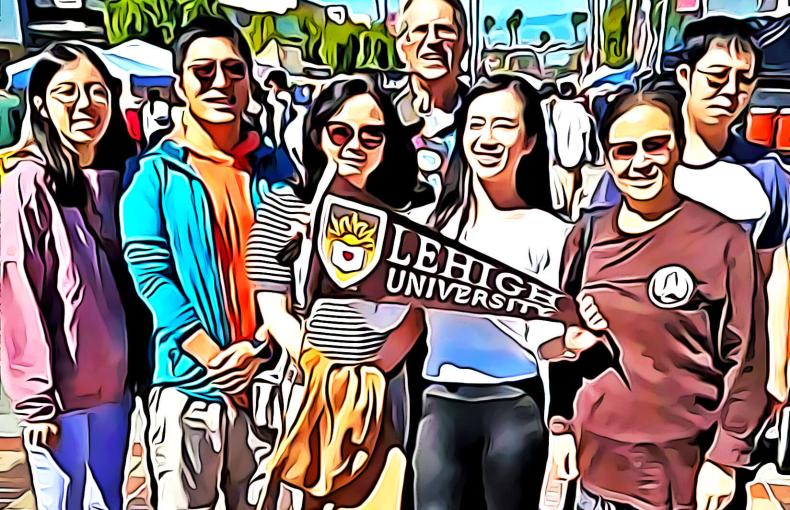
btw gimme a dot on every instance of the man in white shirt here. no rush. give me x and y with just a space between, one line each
156 117
432 43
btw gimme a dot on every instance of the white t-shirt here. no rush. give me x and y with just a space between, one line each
727 188
572 132
156 116
474 349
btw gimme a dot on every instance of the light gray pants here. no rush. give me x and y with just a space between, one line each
203 456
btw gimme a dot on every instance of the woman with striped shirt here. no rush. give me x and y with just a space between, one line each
342 443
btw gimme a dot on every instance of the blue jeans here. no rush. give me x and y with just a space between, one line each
85 469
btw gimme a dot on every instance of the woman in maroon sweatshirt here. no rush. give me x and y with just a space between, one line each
63 347
672 287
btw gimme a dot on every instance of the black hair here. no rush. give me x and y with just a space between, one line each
277 77
532 174
567 90
624 102
459 18
62 162
209 27
698 36
154 95
394 182
214 27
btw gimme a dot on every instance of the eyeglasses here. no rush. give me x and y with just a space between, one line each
654 146
370 137
718 79
69 93
233 70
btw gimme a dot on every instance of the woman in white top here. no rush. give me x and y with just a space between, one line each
484 402
342 449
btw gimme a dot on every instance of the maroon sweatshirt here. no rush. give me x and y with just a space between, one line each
682 305
63 343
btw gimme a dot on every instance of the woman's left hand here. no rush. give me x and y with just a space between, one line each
578 340
589 312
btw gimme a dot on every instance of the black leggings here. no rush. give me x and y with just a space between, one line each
497 448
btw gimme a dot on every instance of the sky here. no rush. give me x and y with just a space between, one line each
559 27
497 8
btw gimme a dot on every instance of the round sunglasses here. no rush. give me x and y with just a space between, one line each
370 137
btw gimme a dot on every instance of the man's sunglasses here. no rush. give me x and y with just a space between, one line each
370 137
233 70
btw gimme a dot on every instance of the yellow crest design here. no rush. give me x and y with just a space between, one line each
350 243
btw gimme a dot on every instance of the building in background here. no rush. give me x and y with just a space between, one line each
11 41
44 21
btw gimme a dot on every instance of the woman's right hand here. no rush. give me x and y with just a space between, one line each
43 434
562 454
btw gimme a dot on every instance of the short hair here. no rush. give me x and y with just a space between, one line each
459 17
278 77
698 36
567 90
624 102
209 27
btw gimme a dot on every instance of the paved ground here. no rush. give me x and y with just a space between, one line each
14 476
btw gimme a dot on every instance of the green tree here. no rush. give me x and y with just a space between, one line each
577 20
488 23
377 49
616 35
513 24
192 9
344 47
125 19
545 37
153 20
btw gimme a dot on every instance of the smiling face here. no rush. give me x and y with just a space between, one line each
495 137
78 103
721 84
353 138
642 152
215 82
431 45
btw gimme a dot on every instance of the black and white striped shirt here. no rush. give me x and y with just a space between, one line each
346 330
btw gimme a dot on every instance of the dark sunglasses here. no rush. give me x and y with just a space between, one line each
370 137
233 70
653 146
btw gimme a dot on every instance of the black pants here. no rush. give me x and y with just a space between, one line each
492 449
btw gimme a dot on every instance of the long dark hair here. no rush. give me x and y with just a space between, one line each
532 174
394 182
62 162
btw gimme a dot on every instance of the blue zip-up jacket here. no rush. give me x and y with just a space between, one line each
168 241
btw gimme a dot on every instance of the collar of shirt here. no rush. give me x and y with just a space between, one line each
191 135
436 120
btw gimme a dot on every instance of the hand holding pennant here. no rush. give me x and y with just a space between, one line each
366 251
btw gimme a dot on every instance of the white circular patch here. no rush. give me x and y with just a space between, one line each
671 287
429 160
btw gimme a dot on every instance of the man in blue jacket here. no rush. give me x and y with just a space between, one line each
185 220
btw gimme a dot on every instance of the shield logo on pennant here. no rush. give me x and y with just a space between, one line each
351 239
